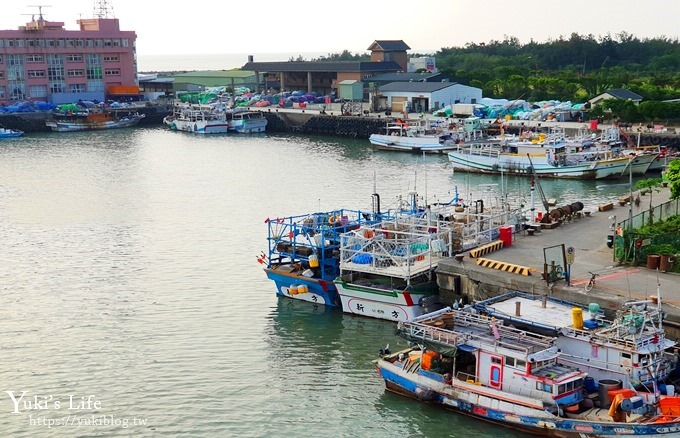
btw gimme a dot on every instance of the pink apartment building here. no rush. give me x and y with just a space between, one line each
42 61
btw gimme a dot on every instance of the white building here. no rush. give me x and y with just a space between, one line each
426 63
425 96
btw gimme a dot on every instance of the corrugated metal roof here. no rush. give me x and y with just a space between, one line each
328 67
389 45
405 77
416 87
622 93
216 74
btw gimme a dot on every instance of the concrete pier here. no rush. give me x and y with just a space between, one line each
461 277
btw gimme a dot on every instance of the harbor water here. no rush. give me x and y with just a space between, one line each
133 303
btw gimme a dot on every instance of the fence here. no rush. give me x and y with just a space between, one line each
658 213
634 247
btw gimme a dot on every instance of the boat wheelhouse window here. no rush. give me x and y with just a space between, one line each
496 360
644 360
570 386
545 387
626 355
515 363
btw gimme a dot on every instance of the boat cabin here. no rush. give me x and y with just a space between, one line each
479 353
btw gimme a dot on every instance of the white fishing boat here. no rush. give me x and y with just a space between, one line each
626 348
197 119
414 136
387 269
521 159
244 121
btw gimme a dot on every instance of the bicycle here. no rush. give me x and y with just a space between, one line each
591 282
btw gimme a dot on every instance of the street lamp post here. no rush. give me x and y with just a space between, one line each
612 227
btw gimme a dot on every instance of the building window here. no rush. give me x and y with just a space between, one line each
80 43
55 60
51 43
17 92
74 73
0 57
90 42
36 73
112 72
76 88
37 91
2 74
74 58
55 73
70 43
108 43
125 42
99 42
34 58
111 58
15 60
116 43
3 92
57 87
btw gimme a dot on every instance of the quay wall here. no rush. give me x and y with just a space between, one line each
318 122
35 121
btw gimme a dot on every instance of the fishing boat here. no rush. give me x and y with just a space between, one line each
197 119
244 121
426 136
387 268
413 136
477 366
520 159
10 133
626 348
89 119
304 250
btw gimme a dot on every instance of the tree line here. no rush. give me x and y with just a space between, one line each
574 69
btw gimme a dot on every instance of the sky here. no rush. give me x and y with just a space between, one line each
302 26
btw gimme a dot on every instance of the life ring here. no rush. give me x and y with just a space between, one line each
332 220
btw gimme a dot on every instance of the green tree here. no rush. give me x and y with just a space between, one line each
673 177
649 185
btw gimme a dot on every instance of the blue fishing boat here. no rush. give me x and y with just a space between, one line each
10 133
303 252
477 366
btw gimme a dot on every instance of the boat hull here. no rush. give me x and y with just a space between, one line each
199 126
73 126
496 407
429 144
247 122
392 305
518 165
317 291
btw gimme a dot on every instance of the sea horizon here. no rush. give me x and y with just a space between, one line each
215 61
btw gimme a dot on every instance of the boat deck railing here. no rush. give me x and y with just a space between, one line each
300 238
466 328
400 248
